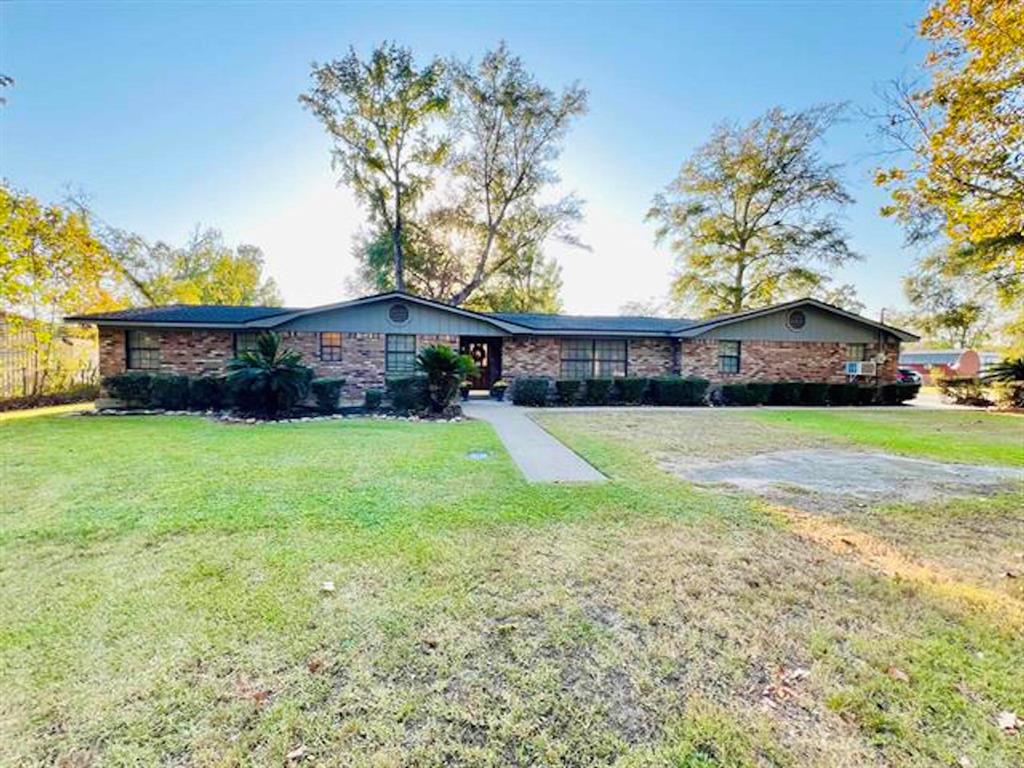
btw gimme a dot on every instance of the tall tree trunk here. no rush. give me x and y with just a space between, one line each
396 243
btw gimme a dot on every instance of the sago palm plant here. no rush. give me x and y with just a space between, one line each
270 378
445 369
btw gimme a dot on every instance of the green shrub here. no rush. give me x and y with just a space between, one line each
758 392
676 390
814 393
408 394
785 393
130 388
169 391
207 392
1008 394
268 379
963 391
533 392
842 394
597 391
372 399
630 390
866 395
568 390
899 393
445 370
327 392
753 393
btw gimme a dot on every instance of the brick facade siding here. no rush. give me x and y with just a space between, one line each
540 356
196 352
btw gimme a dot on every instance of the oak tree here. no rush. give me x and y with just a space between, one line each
753 214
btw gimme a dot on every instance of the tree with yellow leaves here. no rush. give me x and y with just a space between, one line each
962 137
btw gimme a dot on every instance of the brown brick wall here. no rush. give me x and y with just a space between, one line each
181 351
528 356
650 357
197 352
779 361
200 352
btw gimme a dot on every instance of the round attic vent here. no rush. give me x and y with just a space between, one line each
398 313
796 320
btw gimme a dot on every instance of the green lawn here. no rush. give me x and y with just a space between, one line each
161 588
958 436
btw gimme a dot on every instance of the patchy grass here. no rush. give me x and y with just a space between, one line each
160 579
957 436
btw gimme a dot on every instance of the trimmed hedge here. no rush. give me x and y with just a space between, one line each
372 399
132 388
630 390
814 393
533 392
208 392
597 391
897 394
753 393
785 393
676 390
843 394
568 391
408 393
169 391
327 392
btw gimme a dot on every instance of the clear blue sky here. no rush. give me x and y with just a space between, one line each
169 115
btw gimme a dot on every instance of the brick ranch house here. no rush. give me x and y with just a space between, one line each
367 339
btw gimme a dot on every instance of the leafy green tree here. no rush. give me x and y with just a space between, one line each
950 312
508 130
752 215
204 271
380 114
843 296
529 283
491 215
51 265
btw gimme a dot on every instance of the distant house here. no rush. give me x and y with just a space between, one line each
962 363
368 339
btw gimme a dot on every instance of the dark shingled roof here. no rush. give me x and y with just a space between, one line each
188 313
599 323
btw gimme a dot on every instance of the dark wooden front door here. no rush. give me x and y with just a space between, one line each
486 353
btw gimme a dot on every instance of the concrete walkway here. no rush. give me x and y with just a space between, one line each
541 457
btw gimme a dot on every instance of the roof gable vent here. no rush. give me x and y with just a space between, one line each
398 313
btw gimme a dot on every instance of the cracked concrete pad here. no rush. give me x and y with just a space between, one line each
859 474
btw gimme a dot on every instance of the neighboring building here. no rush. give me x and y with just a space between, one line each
368 339
961 363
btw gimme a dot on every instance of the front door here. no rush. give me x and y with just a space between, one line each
486 353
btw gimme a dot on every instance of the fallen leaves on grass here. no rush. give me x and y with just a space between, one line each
246 689
898 674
